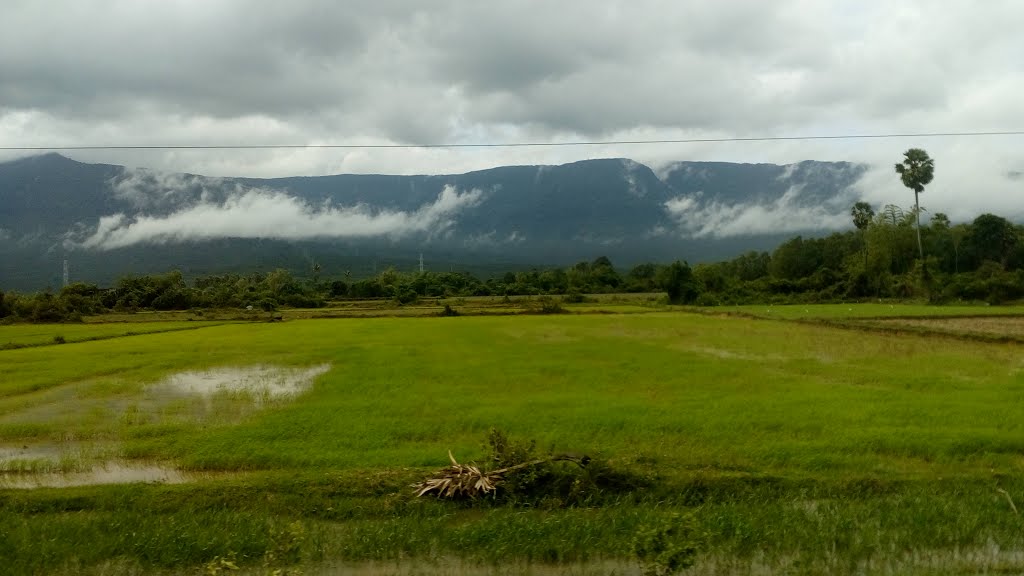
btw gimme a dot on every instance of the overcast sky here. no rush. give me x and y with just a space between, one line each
181 72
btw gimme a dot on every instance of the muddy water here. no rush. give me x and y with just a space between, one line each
59 466
261 381
8 453
108 473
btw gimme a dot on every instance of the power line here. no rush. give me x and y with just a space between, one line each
512 144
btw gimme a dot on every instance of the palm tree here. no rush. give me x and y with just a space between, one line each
916 170
863 214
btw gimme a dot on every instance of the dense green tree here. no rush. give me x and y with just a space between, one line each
339 289
678 282
991 238
796 258
751 265
603 275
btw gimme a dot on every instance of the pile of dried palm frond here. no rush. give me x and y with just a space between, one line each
459 480
466 481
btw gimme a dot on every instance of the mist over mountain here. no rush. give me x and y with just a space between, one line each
110 220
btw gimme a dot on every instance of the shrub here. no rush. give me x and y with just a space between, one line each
267 305
559 480
406 295
546 305
574 297
667 547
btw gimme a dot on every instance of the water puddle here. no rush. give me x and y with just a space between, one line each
55 458
13 454
262 382
107 473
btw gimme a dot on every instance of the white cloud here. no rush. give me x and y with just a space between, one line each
785 215
259 213
150 189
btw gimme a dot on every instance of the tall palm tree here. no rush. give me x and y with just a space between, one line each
916 170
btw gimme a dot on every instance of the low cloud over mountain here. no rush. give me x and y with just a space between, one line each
261 213
112 220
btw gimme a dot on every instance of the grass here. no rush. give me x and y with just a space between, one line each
799 448
25 335
880 310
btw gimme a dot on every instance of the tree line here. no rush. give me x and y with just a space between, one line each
269 291
982 260
880 258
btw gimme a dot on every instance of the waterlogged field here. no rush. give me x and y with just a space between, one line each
796 448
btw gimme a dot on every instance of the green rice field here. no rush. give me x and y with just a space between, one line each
23 335
781 446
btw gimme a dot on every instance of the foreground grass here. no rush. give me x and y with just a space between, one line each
800 448
272 521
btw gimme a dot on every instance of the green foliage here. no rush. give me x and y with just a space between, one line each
339 289
545 305
221 565
668 546
266 304
991 238
286 544
576 297
406 296
917 169
862 215
678 282
505 453
570 480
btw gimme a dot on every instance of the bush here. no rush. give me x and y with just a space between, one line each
267 305
303 301
706 299
406 295
667 547
574 297
558 481
546 305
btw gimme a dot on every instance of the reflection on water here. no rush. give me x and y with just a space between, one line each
262 381
107 473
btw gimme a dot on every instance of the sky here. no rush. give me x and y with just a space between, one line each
225 72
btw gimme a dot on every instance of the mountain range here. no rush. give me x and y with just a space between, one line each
108 221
